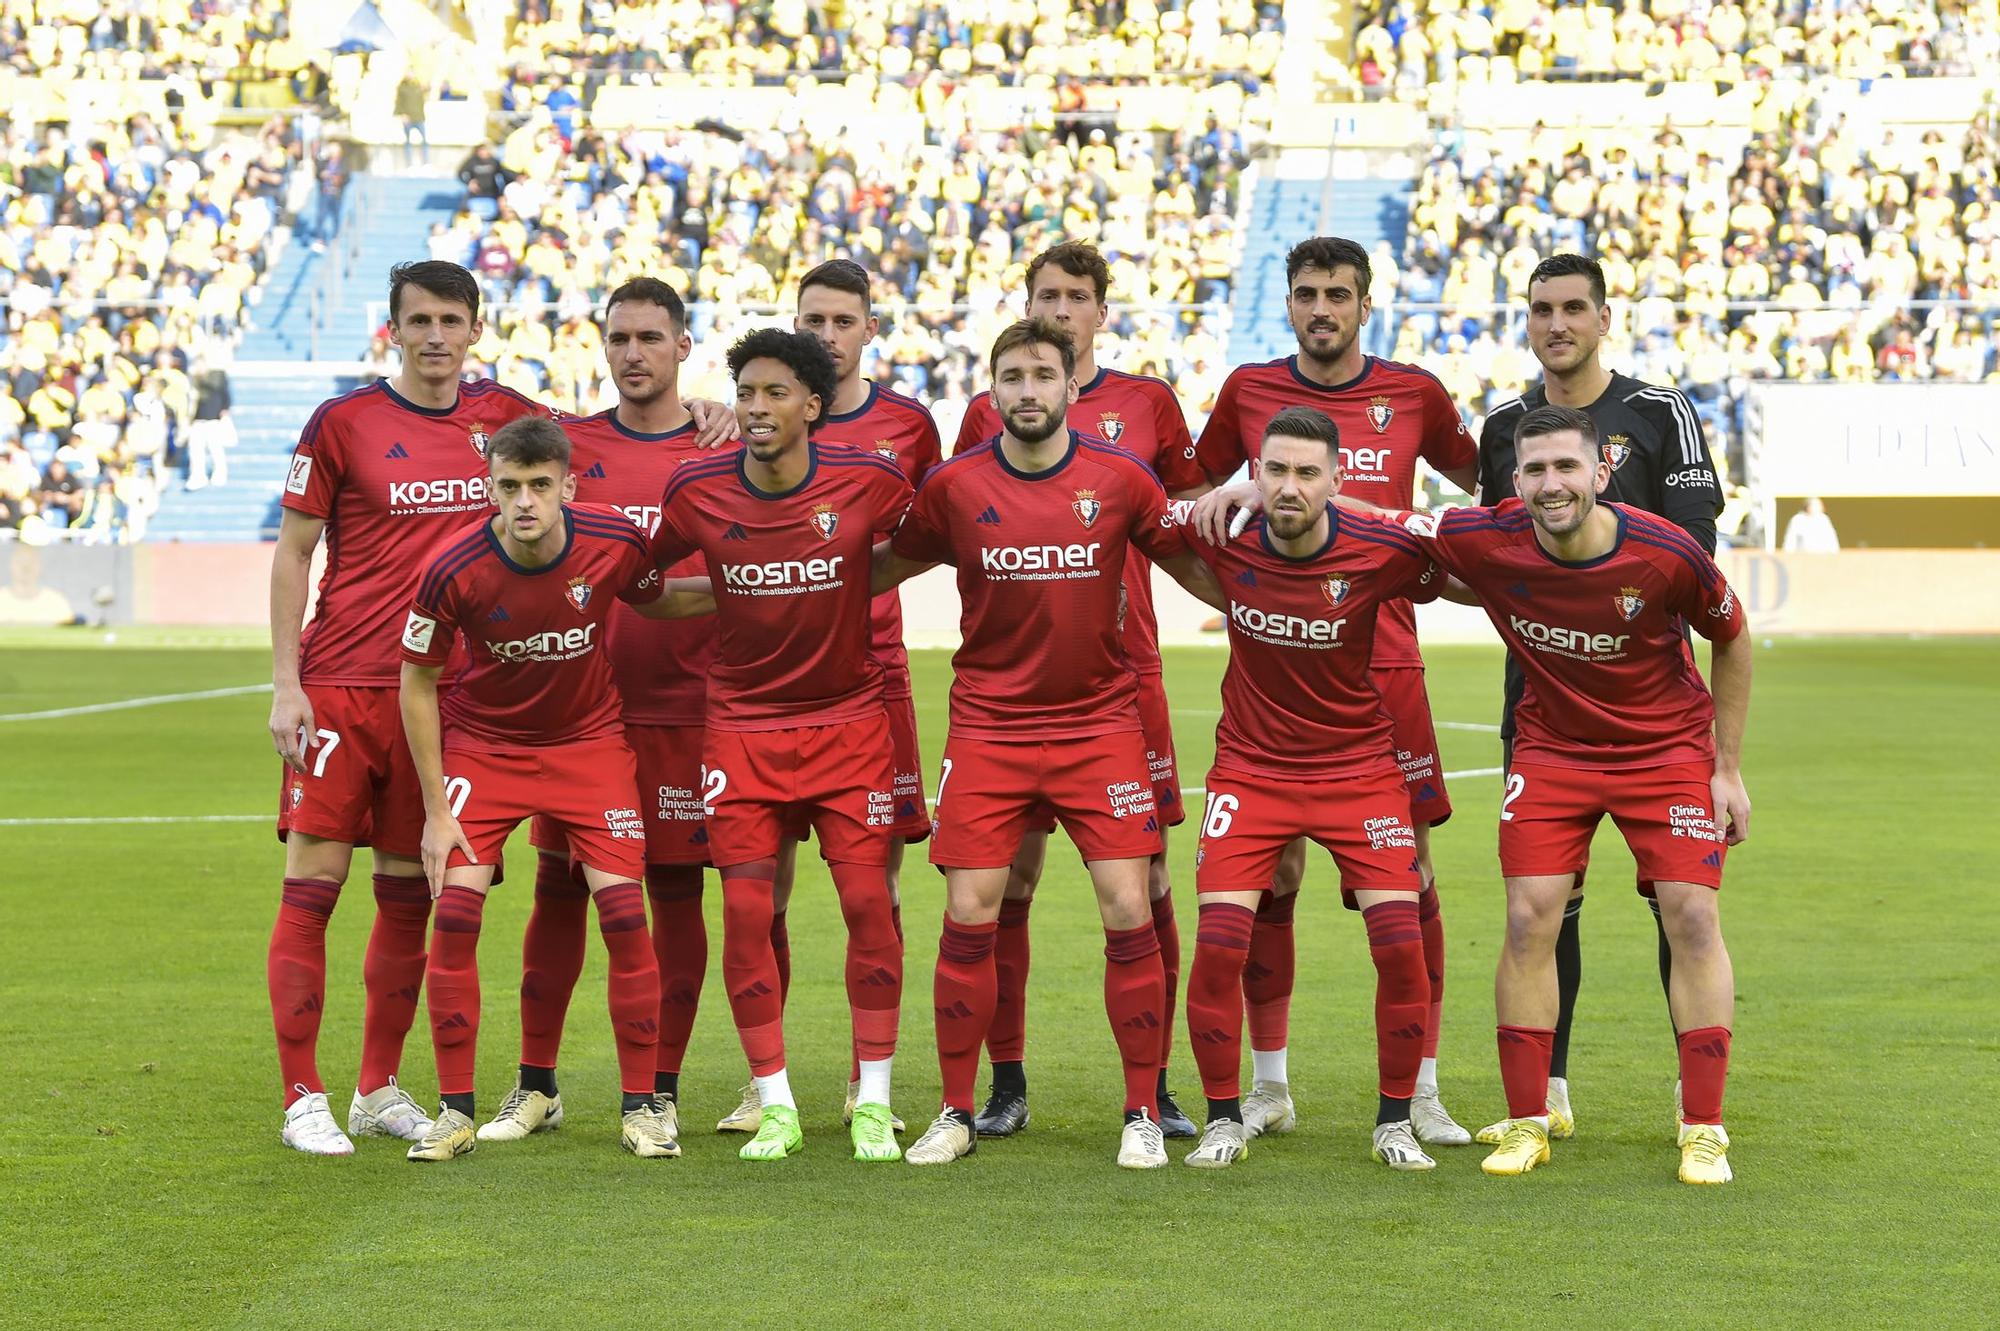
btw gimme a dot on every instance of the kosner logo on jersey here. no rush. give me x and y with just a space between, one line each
554 645
1284 628
783 575
453 492
1568 640
1038 558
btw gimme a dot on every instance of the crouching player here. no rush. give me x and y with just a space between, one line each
532 728
1305 749
1594 600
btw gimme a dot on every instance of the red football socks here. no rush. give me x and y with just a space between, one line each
634 983
1402 994
1271 972
1524 1069
963 995
1215 996
1134 996
452 987
680 950
874 959
1169 934
1007 1040
295 971
750 964
1704 1067
551 957
392 975
1432 921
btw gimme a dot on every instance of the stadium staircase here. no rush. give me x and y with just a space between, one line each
1286 206
308 317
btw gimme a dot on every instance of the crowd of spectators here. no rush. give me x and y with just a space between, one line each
1807 252
127 252
1410 51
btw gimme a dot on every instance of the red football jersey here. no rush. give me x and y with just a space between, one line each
1142 416
539 675
791 574
901 430
391 480
1389 417
661 665
1611 678
1039 559
1297 698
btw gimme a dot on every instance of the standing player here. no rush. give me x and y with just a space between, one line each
1304 749
786 528
623 457
1389 415
531 729
1044 711
1595 601
384 473
1068 285
1660 462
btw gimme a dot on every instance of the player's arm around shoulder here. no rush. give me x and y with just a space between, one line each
291 582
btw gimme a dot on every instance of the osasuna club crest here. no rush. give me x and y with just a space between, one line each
887 448
479 439
1110 429
1629 602
579 593
1380 413
1617 448
1336 588
1086 507
824 521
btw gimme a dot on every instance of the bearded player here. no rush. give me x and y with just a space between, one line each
796 725
1068 284
623 457
532 729
1594 600
1044 711
1389 415
1304 750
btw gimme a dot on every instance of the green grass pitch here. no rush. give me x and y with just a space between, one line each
142 1183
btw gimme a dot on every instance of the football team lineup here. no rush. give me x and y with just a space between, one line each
673 597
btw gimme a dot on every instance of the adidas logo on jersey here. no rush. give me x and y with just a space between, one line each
1247 578
499 615
735 533
596 472
397 453
1520 589
990 518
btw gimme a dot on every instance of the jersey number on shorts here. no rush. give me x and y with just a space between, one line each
713 782
943 776
328 742
1221 811
1516 783
457 790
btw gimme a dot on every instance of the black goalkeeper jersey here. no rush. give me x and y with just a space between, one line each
1660 461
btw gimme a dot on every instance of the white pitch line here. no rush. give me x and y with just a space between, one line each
1478 727
158 820
124 704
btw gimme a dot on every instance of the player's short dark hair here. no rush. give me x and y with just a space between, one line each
1570 265
841 275
651 291
1550 419
1078 260
529 441
802 353
1033 333
447 281
1306 423
1329 252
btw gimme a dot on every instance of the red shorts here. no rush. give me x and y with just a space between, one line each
1548 814
991 792
837 777
1157 721
913 818
588 793
1409 708
670 796
1363 821
360 784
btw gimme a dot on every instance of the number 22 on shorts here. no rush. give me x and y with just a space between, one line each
1516 783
